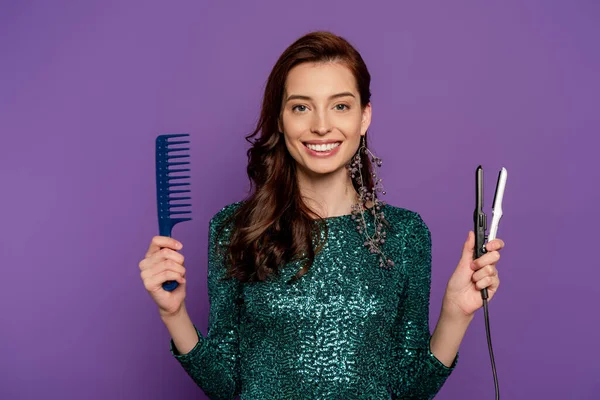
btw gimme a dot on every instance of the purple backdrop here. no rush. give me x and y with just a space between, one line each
86 86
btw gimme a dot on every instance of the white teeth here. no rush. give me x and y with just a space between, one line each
323 147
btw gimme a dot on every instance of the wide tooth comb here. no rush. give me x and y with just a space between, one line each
168 178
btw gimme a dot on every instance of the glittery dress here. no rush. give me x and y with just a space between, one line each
348 329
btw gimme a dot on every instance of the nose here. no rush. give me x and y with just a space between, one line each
320 124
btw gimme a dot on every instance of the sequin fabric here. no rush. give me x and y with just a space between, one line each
348 329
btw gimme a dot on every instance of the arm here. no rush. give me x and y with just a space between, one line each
212 361
447 336
418 373
182 330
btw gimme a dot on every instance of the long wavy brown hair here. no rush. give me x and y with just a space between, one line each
273 225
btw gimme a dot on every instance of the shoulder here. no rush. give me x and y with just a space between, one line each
225 213
413 239
409 232
406 222
222 222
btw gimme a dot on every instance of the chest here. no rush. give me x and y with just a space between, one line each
342 289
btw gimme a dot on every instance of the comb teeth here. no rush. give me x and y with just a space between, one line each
178 142
181 156
179 184
177 163
171 179
171 205
179 212
173 135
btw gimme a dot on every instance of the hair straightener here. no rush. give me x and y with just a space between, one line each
169 181
480 222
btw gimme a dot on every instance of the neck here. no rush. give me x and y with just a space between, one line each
328 195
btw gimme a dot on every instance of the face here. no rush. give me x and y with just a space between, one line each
322 119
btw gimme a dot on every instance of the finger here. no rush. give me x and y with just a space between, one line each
483 283
488 258
167 254
490 283
155 282
488 270
493 288
495 244
469 246
158 242
157 269
161 255
168 265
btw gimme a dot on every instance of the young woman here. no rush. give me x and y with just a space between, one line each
317 288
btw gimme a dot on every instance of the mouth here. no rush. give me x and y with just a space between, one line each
322 147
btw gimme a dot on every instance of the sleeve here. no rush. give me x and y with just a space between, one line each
214 363
417 373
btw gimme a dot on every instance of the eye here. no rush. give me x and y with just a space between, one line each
341 107
299 108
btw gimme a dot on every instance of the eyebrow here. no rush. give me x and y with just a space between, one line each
301 97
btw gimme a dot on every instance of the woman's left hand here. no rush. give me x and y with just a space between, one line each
463 292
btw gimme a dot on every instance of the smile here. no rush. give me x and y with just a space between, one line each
322 148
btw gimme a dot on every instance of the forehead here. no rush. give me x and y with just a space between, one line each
320 79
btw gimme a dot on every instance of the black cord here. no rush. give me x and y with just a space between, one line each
489 340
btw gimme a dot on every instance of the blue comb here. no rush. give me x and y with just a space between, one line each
171 186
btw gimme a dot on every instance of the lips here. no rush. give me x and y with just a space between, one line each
322 149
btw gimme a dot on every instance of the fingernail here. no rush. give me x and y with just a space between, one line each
473 265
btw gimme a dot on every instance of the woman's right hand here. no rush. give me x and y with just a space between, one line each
163 263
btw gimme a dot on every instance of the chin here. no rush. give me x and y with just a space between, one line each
323 168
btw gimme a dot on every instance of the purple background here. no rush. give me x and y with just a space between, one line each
86 86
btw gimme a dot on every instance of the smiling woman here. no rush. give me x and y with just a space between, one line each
318 290
318 94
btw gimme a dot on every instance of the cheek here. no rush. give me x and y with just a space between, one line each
291 137
350 126
293 127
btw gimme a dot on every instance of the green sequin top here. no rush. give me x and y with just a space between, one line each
348 329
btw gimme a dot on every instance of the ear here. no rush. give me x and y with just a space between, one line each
366 119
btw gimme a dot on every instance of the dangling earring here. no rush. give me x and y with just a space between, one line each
355 169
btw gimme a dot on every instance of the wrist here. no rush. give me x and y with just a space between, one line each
451 313
174 315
